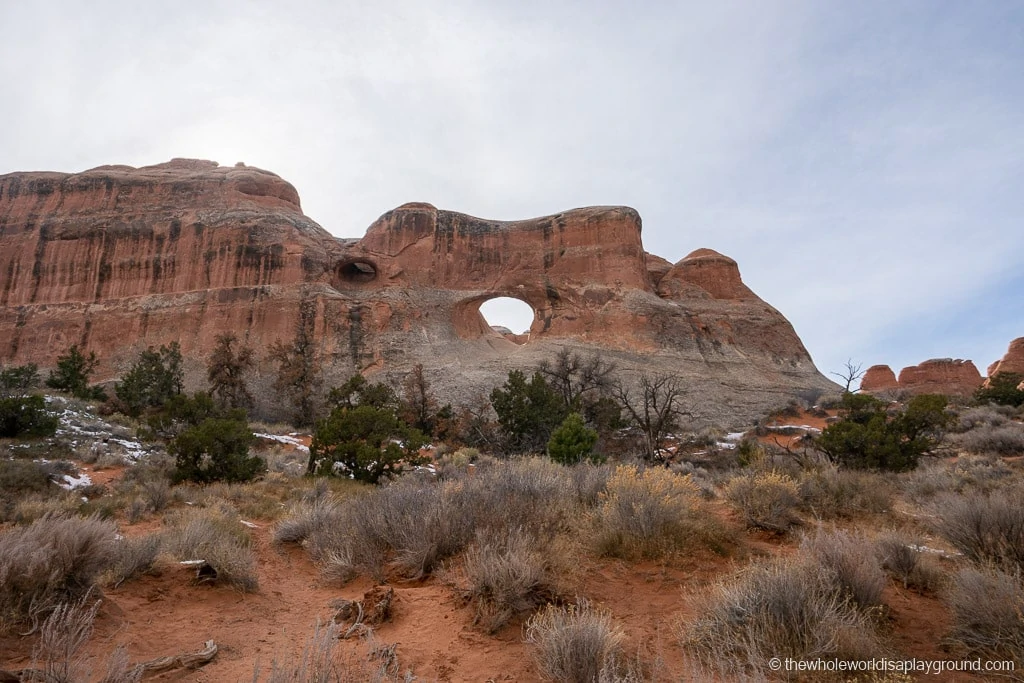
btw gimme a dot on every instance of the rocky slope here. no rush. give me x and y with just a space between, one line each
118 258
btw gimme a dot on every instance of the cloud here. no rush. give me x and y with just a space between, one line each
861 161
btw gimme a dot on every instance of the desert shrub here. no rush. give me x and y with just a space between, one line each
830 492
72 375
152 380
976 474
215 450
652 512
985 528
321 662
217 538
409 526
414 523
26 416
767 500
987 606
18 380
869 437
572 441
35 506
782 608
133 557
528 411
588 482
1005 440
51 561
508 575
852 566
981 416
306 519
18 477
1002 389
902 559
363 442
575 644
58 654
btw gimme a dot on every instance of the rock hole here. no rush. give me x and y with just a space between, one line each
511 318
357 272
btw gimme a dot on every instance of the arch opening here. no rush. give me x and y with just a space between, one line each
357 272
509 317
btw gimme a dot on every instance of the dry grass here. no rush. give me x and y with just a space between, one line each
767 500
900 558
851 564
321 662
134 557
1004 440
511 575
653 512
415 523
575 644
217 537
830 492
988 613
975 474
783 608
52 561
985 528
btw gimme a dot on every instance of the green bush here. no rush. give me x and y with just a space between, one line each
155 378
572 442
1002 389
72 375
26 416
217 449
364 442
869 437
528 412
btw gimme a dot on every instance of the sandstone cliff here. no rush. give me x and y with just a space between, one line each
937 376
118 258
1013 361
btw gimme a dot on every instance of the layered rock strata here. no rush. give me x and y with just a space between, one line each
117 259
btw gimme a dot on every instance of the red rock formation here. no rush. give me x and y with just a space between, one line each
941 376
1013 361
116 259
878 378
937 376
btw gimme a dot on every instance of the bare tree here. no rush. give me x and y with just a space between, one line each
850 373
298 376
573 375
654 406
226 370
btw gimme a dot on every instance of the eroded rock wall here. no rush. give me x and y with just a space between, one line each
117 259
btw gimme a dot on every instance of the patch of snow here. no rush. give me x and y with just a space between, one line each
935 551
726 445
289 439
249 524
735 436
806 428
71 483
192 563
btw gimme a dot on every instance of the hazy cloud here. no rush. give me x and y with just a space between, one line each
862 161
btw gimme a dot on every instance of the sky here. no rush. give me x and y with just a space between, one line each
862 161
